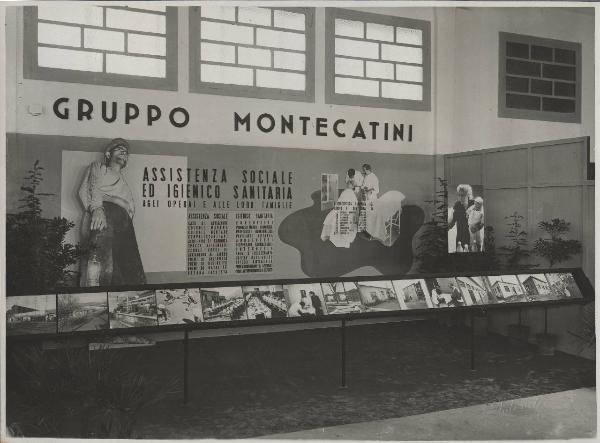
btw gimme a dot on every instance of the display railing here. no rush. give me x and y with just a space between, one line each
121 310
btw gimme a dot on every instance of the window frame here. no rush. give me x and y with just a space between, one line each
260 92
528 114
331 97
31 69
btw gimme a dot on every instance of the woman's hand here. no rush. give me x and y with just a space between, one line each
98 219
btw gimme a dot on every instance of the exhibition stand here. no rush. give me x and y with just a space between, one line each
576 289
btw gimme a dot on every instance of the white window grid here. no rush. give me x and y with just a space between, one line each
131 46
260 52
377 61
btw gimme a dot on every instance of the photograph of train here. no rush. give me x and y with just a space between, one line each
82 312
444 292
30 314
506 288
223 304
378 296
304 300
342 298
563 286
265 301
412 294
132 309
175 306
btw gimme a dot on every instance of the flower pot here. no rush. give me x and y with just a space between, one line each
546 343
518 335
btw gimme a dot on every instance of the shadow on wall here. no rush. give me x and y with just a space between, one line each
302 230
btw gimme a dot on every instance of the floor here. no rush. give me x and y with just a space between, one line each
251 386
561 415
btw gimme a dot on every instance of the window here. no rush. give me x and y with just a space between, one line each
540 79
107 45
376 60
252 52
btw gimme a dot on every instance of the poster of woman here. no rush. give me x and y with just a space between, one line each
466 221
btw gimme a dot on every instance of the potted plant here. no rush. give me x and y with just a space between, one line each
37 257
514 253
555 249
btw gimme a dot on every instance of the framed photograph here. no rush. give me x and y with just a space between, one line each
466 218
413 294
31 314
304 300
342 298
265 301
175 306
378 296
223 304
563 286
131 309
445 292
82 312
506 288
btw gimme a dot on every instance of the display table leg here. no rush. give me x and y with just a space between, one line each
343 368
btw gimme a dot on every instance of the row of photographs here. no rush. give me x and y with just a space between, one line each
115 310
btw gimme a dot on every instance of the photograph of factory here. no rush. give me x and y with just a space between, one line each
132 309
378 295
82 312
444 292
304 300
506 288
178 306
30 314
223 304
342 298
265 301
412 294
563 286
466 221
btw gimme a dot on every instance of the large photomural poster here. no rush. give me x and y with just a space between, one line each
183 212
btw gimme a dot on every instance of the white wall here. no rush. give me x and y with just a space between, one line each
211 116
474 119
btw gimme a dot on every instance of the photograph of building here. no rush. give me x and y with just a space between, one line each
474 290
342 298
132 309
536 286
378 295
223 304
178 306
30 314
506 288
304 300
412 294
82 312
265 301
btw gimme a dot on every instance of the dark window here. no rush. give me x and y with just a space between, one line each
540 79
541 87
517 84
541 53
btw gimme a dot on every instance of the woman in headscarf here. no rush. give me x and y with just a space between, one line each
112 255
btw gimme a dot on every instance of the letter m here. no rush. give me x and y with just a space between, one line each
237 121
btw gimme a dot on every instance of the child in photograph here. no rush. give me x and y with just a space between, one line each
476 222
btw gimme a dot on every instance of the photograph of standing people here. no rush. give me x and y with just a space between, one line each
466 222
107 232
